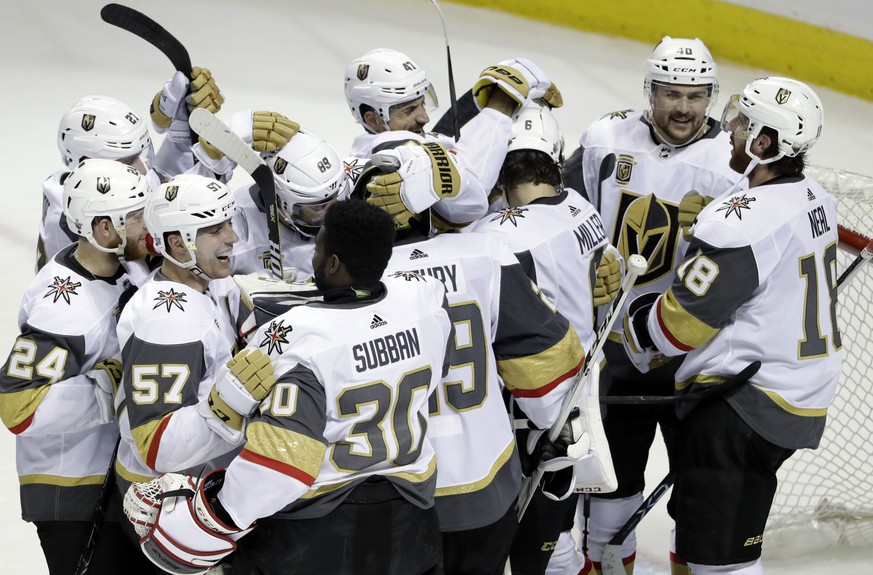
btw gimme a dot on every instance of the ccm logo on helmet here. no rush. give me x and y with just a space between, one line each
684 69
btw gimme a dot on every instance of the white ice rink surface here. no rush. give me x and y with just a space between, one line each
290 57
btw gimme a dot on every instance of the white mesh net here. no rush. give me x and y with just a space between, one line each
825 496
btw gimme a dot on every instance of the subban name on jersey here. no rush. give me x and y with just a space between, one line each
386 349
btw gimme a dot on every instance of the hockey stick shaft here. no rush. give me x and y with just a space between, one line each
711 391
611 563
216 132
99 512
453 98
855 267
636 266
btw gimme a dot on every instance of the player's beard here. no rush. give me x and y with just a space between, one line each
319 276
135 251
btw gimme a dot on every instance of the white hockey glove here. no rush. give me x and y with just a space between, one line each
636 339
594 470
608 277
518 78
267 298
689 208
107 375
178 527
238 392
427 173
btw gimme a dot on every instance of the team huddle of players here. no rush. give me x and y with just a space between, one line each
386 422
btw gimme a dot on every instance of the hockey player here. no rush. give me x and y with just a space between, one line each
58 383
505 332
636 167
309 177
758 283
389 95
95 127
560 240
175 335
340 455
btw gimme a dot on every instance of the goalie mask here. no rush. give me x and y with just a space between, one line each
787 106
383 78
103 188
679 62
104 128
309 177
185 205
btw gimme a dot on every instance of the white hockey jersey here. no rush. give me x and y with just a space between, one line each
174 341
353 377
252 252
621 162
504 333
479 155
47 396
558 241
759 284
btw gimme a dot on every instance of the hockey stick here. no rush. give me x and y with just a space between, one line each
850 272
138 23
453 99
99 510
636 265
610 561
711 391
214 131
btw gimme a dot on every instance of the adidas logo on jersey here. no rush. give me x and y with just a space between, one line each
574 211
377 322
417 254
809 195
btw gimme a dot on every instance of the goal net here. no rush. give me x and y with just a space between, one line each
825 496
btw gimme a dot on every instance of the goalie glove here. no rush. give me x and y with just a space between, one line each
555 459
182 527
238 393
426 172
518 78
636 339
689 208
608 278
106 374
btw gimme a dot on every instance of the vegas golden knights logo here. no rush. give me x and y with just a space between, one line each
363 70
171 193
102 184
649 228
88 122
624 169
782 96
280 165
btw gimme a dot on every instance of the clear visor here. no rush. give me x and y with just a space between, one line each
406 109
733 121
311 215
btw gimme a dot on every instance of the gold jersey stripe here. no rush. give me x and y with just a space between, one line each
285 446
144 436
130 476
684 331
485 481
17 407
44 479
411 477
534 375
800 411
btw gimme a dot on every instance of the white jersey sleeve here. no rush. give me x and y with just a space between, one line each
54 234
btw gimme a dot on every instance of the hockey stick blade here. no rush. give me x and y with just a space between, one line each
138 23
214 131
610 561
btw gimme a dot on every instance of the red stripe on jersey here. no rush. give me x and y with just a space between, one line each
22 426
152 458
670 337
541 391
282 468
